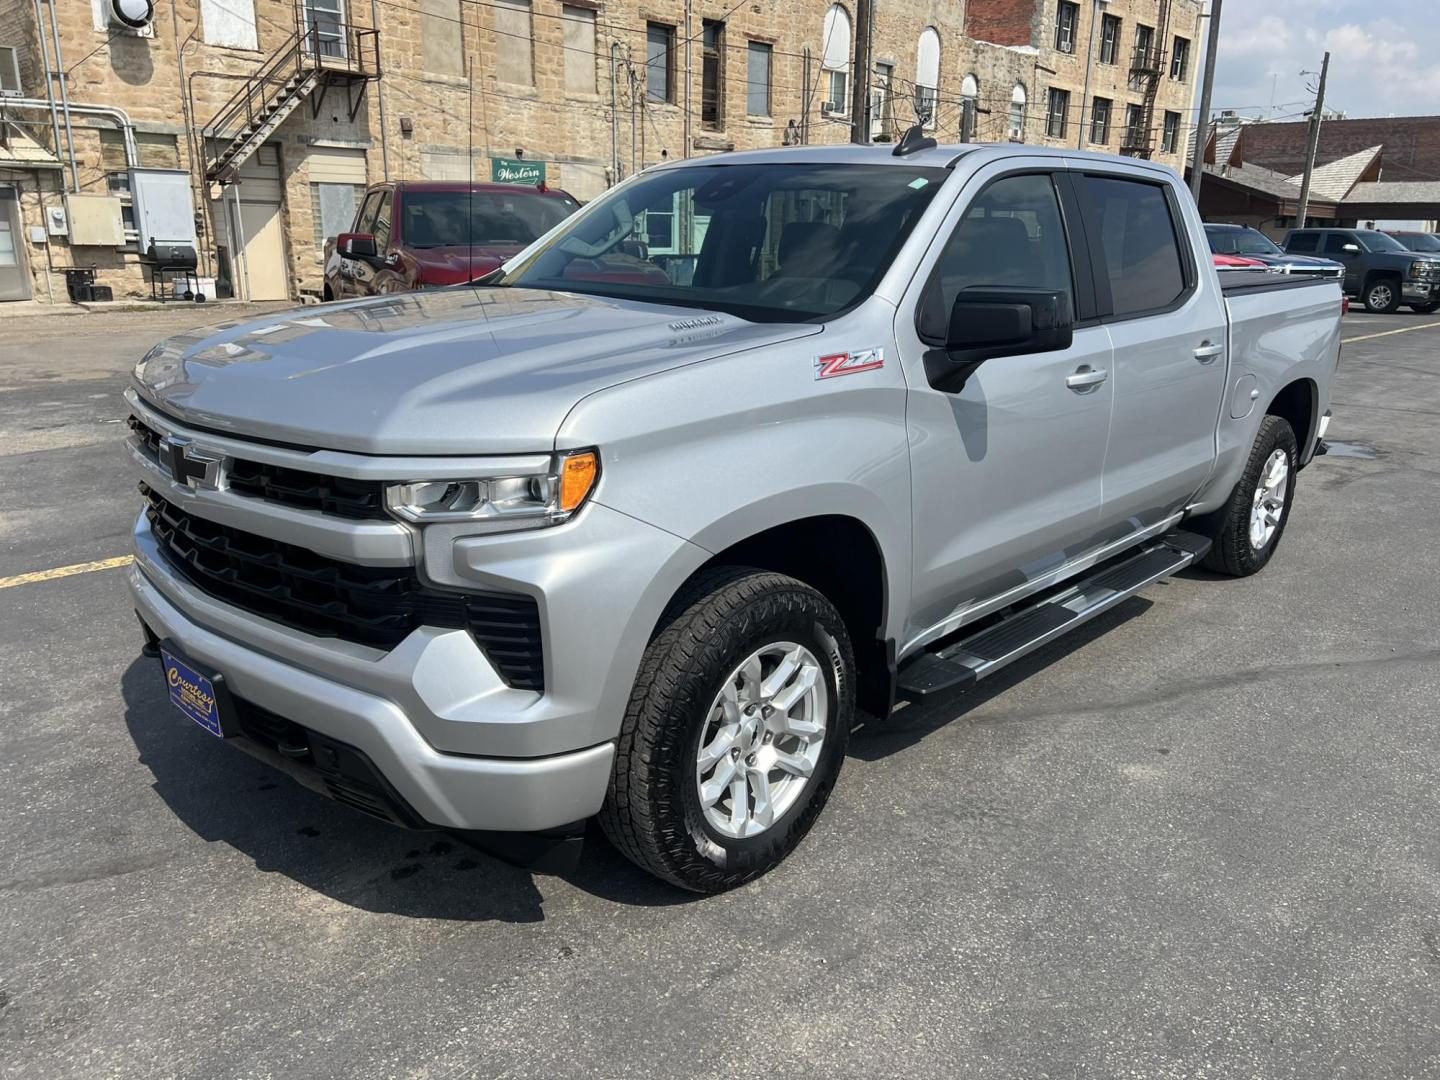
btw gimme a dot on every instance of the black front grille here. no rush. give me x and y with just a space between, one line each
376 606
337 495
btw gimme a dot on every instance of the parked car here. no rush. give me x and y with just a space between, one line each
1241 241
412 235
508 557
1380 270
1416 241
1236 262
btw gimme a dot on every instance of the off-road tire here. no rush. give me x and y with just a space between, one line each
1426 309
1232 553
1375 302
652 811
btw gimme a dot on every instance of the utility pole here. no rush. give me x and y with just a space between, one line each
860 88
1202 122
1313 145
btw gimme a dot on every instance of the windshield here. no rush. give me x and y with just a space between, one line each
1420 241
772 242
1378 241
485 218
1241 242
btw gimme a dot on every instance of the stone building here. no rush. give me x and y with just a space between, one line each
274 114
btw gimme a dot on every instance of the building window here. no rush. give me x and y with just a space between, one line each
579 49
882 122
229 23
660 63
515 56
1017 113
1180 59
1134 125
1100 121
333 209
1170 134
757 78
1145 58
1109 39
927 76
969 108
441 39
1067 19
712 75
1056 113
835 59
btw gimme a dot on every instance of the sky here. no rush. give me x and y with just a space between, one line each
1384 56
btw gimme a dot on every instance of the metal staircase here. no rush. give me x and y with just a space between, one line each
317 56
1147 70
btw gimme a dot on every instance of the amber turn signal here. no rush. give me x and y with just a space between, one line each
578 474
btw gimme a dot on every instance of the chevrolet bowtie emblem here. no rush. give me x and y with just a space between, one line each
189 465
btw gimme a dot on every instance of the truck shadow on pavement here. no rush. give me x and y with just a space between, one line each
225 796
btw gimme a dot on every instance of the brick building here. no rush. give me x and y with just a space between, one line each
274 114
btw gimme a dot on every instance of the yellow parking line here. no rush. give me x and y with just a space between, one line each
65 571
1387 333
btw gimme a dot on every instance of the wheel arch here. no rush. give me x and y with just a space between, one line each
1298 404
841 557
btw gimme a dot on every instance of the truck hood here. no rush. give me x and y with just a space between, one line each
453 371
458 264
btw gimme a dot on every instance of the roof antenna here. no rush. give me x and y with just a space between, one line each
913 141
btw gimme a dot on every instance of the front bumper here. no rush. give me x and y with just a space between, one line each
1422 292
448 790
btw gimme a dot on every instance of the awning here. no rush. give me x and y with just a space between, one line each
19 151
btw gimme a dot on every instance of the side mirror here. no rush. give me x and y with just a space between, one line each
987 323
356 245
1351 249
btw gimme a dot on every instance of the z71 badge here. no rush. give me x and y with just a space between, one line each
848 363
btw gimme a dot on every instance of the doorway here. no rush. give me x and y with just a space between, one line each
14 275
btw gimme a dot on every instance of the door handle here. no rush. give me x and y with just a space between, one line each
1207 352
1086 377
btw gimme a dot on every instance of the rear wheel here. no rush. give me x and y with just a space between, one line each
1382 295
735 731
1248 528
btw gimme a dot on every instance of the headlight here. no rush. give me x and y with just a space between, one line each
503 503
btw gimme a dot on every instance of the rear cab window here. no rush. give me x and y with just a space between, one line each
1303 241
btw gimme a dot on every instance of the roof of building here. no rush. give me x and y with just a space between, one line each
1334 180
1258 178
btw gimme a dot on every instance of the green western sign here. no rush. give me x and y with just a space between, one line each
504 170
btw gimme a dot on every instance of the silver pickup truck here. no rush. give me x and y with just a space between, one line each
633 527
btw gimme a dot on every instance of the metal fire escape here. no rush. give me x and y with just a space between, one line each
320 54
1147 71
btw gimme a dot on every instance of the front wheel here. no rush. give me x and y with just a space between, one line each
735 731
1249 526
1382 296
1426 309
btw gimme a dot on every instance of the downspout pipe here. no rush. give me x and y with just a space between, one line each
614 117
64 96
118 116
49 76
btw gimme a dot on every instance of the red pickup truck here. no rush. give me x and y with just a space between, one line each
412 235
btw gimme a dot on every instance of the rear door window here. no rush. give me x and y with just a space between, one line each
1132 225
1305 241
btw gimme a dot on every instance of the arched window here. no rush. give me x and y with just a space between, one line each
969 108
1017 114
835 59
927 75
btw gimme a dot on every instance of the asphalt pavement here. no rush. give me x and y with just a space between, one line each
1196 839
